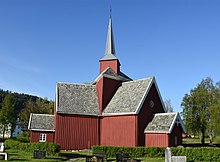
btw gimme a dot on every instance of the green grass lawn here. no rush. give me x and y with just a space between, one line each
18 156
194 140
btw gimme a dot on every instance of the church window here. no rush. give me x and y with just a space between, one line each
42 137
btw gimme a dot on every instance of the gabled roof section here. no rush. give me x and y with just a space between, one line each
129 97
78 99
109 73
41 122
164 123
110 46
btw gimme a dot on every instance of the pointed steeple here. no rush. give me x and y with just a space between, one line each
110 46
109 59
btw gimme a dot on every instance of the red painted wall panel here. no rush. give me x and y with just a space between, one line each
106 88
113 64
146 114
118 131
157 140
35 136
76 132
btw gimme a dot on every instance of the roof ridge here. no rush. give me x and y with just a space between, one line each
42 114
127 82
80 84
167 113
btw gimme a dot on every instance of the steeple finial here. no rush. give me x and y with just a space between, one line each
110 46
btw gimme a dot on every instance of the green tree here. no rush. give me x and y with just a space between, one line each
41 106
215 112
7 115
196 108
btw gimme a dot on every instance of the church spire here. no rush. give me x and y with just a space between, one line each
110 46
109 59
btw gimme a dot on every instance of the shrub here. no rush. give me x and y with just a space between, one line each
50 148
23 137
134 152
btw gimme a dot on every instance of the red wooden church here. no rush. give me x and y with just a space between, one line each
114 110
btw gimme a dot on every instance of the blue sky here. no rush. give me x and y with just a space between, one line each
47 41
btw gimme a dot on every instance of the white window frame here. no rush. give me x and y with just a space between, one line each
43 137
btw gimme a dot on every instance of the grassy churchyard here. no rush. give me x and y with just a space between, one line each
79 156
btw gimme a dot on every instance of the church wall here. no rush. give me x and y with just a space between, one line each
176 136
35 136
157 139
106 88
146 114
113 64
74 132
118 130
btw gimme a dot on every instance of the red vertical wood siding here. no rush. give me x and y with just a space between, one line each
177 131
113 64
76 132
157 139
118 131
35 136
106 88
147 113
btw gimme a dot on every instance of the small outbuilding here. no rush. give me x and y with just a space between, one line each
164 130
42 127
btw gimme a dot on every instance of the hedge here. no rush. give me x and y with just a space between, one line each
50 148
193 154
131 151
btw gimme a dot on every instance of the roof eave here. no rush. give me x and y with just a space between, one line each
43 130
144 96
119 114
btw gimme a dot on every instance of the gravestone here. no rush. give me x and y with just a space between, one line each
38 154
168 155
178 158
2 148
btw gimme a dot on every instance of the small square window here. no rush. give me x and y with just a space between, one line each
42 137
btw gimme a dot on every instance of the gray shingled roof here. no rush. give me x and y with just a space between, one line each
108 72
77 99
128 97
164 123
109 57
44 122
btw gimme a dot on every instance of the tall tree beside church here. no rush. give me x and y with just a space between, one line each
196 107
7 115
215 112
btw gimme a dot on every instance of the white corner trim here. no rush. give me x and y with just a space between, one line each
29 123
118 114
100 76
43 130
173 123
177 116
56 97
144 96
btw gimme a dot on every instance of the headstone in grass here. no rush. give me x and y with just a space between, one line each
167 155
38 154
178 158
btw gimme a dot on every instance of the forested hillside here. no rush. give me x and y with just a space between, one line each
15 105
19 99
